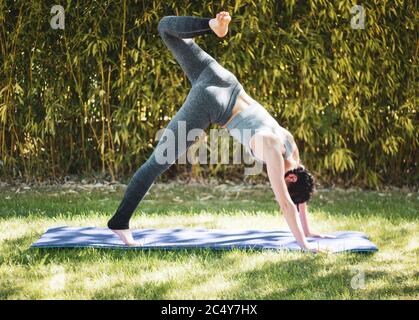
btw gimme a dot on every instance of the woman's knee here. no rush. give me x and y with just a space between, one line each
162 26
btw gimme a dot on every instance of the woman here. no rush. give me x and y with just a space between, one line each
217 96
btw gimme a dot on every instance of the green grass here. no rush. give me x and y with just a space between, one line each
390 219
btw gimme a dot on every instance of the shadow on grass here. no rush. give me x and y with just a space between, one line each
391 206
317 279
8 290
122 290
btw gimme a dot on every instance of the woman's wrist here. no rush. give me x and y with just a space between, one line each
304 245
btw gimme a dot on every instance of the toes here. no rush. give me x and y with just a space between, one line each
224 15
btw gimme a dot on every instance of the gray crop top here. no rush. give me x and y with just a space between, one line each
253 119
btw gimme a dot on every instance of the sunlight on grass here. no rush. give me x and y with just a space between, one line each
391 222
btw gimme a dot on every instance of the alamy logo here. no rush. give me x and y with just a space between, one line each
182 146
58 20
358 280
58 278
358 19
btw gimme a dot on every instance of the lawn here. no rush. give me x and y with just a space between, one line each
389 218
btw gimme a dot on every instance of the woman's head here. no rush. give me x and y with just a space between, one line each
300 184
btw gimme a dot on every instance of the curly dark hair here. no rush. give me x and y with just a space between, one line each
302 189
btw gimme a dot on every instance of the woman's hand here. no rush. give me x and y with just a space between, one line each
314 248
320 235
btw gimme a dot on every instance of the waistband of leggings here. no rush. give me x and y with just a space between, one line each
239 117
229 109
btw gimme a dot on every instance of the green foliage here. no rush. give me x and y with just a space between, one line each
90 98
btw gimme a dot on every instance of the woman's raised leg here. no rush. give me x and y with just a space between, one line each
194 114
177 33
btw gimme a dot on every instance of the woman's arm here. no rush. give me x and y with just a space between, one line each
304 222
268 148
302 207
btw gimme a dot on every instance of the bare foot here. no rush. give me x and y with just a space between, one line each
219 24
126 237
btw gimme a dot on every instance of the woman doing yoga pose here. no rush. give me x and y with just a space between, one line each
216 96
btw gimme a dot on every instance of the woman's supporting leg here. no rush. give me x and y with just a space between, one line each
177 33
191 115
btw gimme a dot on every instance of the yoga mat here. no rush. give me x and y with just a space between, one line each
187 238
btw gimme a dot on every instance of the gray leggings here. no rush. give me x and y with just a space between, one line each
211 99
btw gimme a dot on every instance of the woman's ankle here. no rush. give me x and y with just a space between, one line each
117 226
